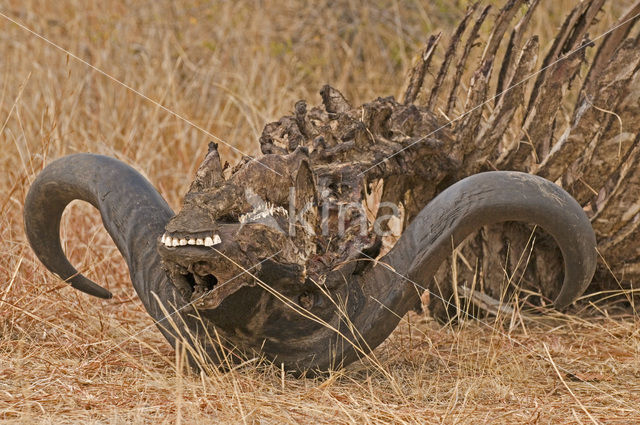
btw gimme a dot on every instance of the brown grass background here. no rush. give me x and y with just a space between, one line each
231 67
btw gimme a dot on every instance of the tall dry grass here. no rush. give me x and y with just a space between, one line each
230 67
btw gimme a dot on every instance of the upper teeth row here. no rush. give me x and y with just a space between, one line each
262 211
208 241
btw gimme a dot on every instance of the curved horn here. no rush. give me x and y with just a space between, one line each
363 309
460 210
335 330
132 211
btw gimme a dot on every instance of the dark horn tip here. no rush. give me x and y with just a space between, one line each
87 286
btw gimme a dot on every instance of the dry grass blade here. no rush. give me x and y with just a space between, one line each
230 67
546 349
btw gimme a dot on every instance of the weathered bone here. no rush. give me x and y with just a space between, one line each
479 85
462 62
209 173
313 299
613 80
448 57
306 324
493 131
623 203
537 136
613 102
419 70
505 77
610 44
573 28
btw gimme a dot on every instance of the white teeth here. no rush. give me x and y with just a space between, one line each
262 211
162 239
208 241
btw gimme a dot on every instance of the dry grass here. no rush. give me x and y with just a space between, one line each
230 67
